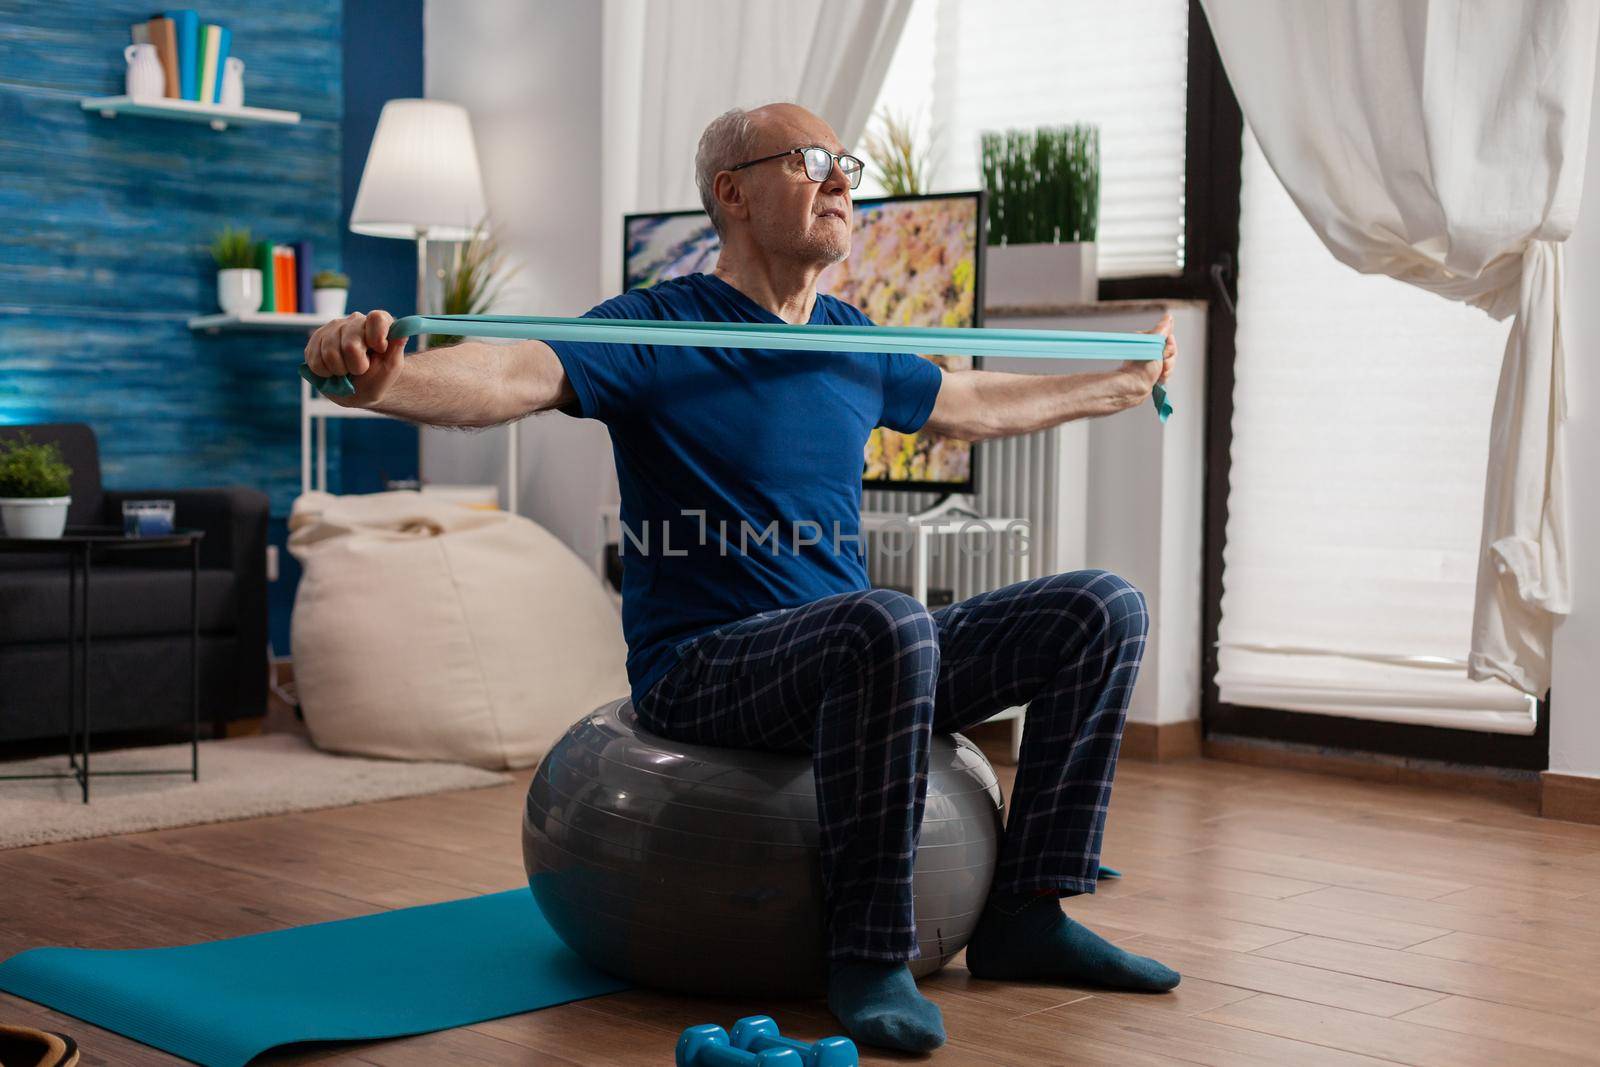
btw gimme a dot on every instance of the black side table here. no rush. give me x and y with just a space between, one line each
79 544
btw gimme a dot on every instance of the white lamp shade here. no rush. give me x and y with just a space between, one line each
421 178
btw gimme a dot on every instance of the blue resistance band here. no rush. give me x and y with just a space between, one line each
917 340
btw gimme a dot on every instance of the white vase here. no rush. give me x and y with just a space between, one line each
239 290
232 83
1049 275
329 303
145 79
43 517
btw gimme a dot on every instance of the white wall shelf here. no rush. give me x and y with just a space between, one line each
315 411
258 320
217 116
321 408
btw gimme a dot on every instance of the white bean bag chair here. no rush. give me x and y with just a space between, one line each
428 630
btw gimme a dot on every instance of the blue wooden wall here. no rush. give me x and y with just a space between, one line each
105 225
104 230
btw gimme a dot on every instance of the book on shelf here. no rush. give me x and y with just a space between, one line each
265 262
224 42
302 274
285 277
283 282
187 25
213 51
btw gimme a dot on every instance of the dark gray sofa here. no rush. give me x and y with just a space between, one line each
139 677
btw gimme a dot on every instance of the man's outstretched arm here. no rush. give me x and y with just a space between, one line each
975 405
470 385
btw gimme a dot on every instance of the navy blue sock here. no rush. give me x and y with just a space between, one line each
1024 936
878 1004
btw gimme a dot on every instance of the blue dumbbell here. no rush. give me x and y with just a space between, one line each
757 1033
707 1046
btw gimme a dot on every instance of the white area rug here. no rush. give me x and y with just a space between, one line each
240 778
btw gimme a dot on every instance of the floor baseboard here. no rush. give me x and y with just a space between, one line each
1161 742
1573 797
1520 786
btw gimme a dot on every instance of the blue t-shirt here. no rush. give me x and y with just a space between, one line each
739 469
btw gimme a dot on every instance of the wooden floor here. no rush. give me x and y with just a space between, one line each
1316 920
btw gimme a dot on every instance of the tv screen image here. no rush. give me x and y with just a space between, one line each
914 261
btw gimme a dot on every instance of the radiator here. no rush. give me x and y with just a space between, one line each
1041 477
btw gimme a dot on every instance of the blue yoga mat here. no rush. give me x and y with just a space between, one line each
408 971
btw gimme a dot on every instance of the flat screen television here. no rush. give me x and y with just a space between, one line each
914 261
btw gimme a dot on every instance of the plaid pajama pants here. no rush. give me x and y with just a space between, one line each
861 680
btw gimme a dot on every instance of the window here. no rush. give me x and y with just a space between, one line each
1360 440
969 67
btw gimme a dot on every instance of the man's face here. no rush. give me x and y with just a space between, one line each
791 215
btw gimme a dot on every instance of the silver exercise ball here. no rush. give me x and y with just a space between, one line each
697 869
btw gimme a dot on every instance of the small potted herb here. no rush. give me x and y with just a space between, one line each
238 277
34 485
328 291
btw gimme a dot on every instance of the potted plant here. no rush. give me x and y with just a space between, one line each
473 279
238 277
328 291
1044 212
902 166
34 485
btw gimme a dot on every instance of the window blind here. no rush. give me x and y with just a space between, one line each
1360 438
962 68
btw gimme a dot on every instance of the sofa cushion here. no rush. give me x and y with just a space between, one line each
125 600
136 683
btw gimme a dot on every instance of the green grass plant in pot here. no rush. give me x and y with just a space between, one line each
35 488
1043 191
901 163
238 277
329 289
473 279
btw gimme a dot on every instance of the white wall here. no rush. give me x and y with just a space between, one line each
1575 679
1144 502
529 73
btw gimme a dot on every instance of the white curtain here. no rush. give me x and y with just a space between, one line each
671 66
1442 142
1349 578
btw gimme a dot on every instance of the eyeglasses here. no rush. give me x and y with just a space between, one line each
819 164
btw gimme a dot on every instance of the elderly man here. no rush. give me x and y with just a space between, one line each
793 650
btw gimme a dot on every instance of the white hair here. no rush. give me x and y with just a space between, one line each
728 140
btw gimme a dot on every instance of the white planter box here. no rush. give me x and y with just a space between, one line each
239 290
1041 274
44 516
329 303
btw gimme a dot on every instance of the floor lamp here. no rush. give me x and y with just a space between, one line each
421 182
